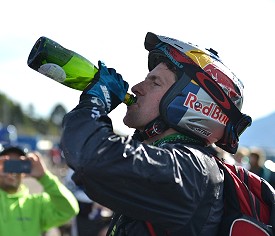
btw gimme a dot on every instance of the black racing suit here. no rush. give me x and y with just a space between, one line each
177 186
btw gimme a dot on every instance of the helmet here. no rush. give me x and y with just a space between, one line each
206 99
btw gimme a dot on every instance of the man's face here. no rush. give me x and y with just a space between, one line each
10 182
149 94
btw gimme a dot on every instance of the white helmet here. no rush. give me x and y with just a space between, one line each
206 100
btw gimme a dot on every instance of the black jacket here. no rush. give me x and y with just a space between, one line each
177 187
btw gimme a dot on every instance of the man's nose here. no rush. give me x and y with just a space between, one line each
138 88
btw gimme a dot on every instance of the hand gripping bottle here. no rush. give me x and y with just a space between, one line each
64 66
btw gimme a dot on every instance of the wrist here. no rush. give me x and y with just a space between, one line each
38 177
93 103
43 177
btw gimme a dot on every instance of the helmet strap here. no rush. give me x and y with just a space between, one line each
153 128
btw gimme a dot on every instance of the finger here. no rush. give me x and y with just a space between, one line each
33 156
3 158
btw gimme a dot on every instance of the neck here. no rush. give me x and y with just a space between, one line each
160 136
10 190
178 138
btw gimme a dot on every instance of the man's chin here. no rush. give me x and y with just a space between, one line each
11 188
129 125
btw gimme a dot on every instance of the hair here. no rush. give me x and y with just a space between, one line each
259 154
242 151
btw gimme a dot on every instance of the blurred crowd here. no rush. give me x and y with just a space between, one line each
53 204
258 160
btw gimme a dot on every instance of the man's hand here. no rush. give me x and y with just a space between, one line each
38 166
2 159
108 86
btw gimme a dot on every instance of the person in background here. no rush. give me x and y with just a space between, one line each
241 157
25 214
256 162
163 180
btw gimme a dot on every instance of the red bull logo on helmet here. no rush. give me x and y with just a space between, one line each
213 111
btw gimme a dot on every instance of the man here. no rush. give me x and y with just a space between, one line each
163 180
22 213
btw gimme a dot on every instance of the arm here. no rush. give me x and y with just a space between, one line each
127 176
58 204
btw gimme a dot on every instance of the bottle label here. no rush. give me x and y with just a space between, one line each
53 71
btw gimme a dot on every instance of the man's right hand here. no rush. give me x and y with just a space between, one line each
108 86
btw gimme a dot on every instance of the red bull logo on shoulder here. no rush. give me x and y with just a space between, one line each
213 111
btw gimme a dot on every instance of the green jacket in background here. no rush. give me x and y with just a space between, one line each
25 214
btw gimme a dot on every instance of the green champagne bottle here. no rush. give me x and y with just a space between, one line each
64 66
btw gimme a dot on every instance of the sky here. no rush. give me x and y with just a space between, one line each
114 32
